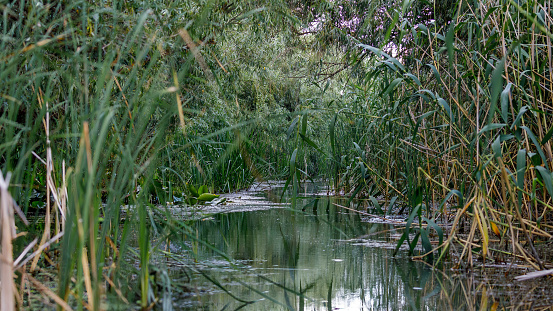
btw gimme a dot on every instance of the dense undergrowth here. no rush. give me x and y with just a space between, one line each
462 128
443 109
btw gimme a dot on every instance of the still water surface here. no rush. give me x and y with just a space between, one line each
331 259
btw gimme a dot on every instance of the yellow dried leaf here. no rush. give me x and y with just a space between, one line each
495 229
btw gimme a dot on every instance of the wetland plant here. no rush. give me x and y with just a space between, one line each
441 110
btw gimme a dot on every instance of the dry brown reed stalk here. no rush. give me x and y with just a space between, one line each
46 123
63 198
7 230
196 52
498 198
115 288
48 292
88 276
58 194
179 102
21 262
533 275
124 97
8 289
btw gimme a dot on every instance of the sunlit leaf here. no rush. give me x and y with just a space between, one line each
495 229
207 197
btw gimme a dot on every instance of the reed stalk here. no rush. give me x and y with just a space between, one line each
459 125
7 230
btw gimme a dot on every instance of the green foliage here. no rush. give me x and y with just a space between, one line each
200 195
452 111
98 91
436 108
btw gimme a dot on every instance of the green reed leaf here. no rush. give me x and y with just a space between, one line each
536 144
547 136
496 147
390 28
304 125
392 86
312 143
425 241
376 51
438 229
491 127
446 107
292 127
450 37
547 177
505 102
521 169
331 130
414 78
408 223
376 204
496 87
435 72
293 161
391 205
520 114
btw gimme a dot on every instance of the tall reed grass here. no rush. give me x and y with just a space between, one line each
89 95
97 100
458 128
99 113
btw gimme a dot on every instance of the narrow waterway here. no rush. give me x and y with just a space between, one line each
329 258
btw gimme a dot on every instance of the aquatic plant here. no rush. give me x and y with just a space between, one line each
442 111
458 126
93 102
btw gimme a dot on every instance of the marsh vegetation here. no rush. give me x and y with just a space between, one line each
112 113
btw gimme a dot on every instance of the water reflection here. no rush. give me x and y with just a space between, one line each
330 261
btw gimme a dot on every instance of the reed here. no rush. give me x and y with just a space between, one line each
103 102
86 101
103 112
7 222
456 124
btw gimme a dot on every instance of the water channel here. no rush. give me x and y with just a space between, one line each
329 258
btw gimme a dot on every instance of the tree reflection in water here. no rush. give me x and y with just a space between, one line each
290 260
